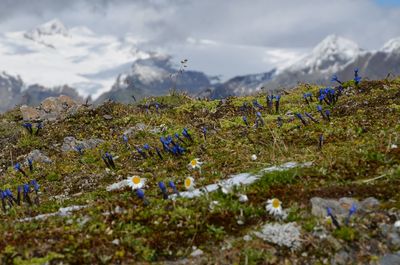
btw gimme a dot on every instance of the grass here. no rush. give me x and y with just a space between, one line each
357 148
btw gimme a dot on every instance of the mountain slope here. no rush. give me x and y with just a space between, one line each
13 91
333 55
85 212
154 76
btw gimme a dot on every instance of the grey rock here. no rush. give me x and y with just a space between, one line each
390 259
38 156
319 206
107 117
369 203
341 207
197 252
394 240
341 258
392 235
70 143
29 113
50 109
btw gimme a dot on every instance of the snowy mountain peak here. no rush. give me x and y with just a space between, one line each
50 28
328 56
334 44
392 45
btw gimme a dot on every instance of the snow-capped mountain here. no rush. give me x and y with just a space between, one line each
333 55
328 56
392 46
53 55
155 76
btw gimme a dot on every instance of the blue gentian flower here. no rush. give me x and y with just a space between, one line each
39 126
186 134
270 101
109 158
163 189
173 187
35 185
125 139
146 147
28 127
245 121
335 79
352 211
334 220
300 117
159 153
357 78
18 167
279 122
328 114
256 104
26 191
306 96
311 117
79 148
204 131
140 195
26 188
141 152
259 119
30 163
277 103
179 138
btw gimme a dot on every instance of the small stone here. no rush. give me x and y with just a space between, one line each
243 198
369 203
342 257
115 242
320 205
394 240
38 156
247 238
393 146
197 253
254 157
390 259
397 224
107 117
29 113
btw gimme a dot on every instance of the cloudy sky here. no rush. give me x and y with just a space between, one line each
226 37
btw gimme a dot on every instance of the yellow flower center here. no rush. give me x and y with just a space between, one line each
193 163
188 182
136 180
276 203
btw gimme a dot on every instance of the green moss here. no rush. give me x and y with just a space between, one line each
356 148
346 233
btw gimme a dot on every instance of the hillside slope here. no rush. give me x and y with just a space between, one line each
90 222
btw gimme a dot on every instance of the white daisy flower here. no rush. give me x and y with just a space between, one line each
189 183
254 157
136 182
195 164
274 207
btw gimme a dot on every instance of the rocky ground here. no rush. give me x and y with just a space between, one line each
336 172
